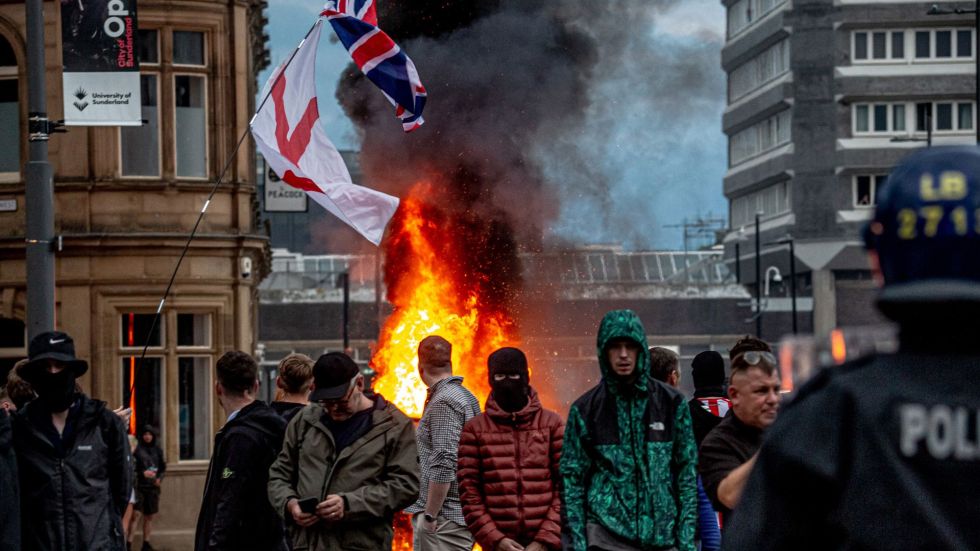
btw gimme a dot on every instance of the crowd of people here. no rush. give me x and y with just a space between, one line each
880 453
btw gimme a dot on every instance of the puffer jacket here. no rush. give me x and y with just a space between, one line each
377 475
73 501
628 461
508 475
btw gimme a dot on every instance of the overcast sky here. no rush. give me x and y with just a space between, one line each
664 154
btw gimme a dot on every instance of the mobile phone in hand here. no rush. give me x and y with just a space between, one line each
308 505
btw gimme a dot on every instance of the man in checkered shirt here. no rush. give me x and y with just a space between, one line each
438 516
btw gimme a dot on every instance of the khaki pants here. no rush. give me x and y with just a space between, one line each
448 536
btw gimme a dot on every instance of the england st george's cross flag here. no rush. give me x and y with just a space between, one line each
288 134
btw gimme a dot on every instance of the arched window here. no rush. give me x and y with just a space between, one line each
9 110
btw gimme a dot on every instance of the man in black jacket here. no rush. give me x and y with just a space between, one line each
73 457
882 452
9 489
710 403
236 513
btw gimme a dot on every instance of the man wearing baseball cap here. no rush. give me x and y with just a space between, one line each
348 463
75 467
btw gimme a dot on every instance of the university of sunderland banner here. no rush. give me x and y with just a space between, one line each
101 71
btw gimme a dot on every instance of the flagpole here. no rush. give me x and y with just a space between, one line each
200 216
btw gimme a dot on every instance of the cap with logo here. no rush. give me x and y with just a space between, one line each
56 346
332 376
926 228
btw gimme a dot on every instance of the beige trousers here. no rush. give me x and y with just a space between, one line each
448 536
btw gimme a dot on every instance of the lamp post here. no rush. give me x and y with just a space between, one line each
343 281
936 10
758 279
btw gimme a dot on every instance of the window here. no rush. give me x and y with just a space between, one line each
879 118
870 46
180 355
190 126
742 14
9 110
761 69
188 48
178 64
944 44
140 145
13 344
760 137
769 201
944 116
865 187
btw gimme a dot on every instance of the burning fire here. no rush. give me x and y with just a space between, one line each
433 294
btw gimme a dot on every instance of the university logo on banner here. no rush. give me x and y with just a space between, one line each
101 75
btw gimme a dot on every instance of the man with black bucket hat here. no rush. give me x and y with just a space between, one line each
508 463
347 465
75 467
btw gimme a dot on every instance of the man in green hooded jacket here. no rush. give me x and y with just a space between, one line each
628 461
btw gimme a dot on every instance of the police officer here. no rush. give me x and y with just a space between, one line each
883 452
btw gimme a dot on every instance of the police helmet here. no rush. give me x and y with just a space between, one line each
926 228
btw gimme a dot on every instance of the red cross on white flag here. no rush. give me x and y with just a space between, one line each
288 134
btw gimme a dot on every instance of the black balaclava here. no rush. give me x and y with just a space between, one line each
55 391
510 394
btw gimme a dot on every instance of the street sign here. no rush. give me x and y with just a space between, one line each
8 205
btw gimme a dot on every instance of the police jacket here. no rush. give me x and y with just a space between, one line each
880 453
73 498
235 513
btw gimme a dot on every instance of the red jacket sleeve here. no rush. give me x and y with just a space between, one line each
471 496
549 533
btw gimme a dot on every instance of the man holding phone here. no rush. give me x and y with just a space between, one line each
348 463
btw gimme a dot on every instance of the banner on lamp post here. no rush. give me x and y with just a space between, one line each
101 75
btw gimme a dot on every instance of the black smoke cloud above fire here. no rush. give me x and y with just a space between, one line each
538 111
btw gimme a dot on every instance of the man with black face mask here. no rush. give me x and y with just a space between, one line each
74 461
508 463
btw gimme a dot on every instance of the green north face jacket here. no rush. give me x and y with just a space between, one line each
629 460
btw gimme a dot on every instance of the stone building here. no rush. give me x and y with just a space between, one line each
125 201
824 98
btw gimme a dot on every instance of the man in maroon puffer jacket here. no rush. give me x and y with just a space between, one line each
508 463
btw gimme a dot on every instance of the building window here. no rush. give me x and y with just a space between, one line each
875 46
13 344
142 149
140 145
944 44
879 118
180 354
865 187
744 13
945 116
769 201
9 110
760 138
191 126
761 69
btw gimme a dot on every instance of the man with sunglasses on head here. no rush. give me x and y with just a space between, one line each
728 453
883 452
347 464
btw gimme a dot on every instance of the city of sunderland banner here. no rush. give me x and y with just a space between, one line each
101 73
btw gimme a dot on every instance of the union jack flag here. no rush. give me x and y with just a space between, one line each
379 58
362 9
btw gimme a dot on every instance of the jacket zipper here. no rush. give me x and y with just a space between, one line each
636 470
64 504
520 488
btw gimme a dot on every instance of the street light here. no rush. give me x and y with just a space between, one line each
936 10
792 272
776 276
758 279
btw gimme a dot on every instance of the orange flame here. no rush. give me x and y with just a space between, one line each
429 299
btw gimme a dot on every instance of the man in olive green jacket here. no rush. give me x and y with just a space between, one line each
348 463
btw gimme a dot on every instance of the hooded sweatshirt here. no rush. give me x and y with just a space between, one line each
149 457
628 461
235 513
